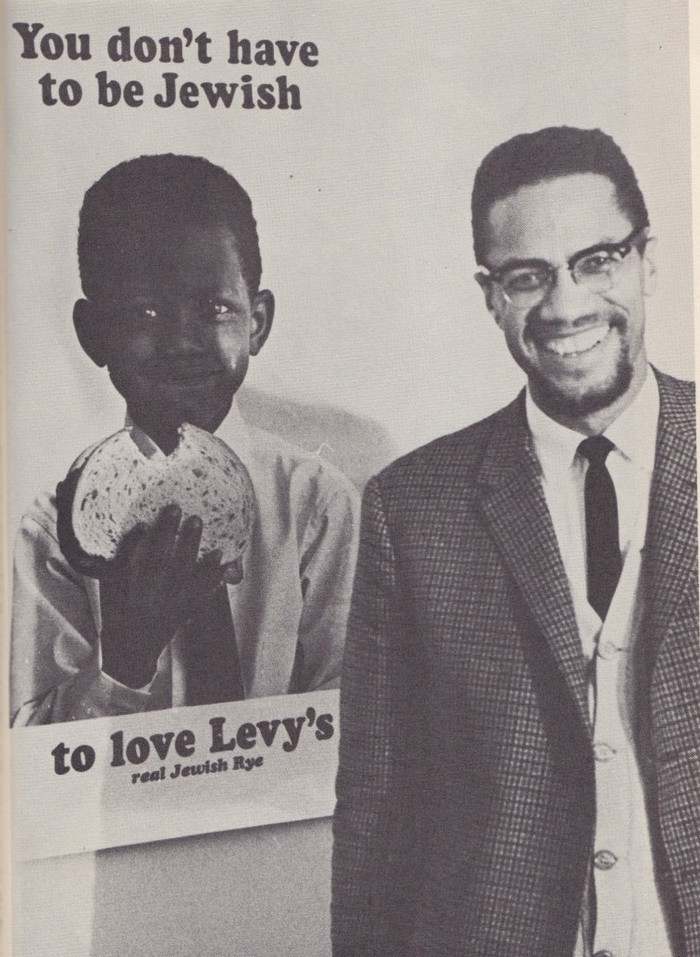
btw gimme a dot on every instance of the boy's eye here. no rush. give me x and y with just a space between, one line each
217 310
142 312
209 310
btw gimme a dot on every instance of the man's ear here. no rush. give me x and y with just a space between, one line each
90 331
262 315
649 267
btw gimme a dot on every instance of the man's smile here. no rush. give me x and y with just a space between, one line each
576 343
560 340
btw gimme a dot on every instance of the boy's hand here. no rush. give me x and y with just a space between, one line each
153 586
149 590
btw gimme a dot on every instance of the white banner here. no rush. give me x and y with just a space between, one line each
108 782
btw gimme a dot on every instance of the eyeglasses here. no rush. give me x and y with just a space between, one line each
526 283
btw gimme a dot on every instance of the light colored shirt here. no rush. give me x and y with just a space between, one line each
629 918
292 604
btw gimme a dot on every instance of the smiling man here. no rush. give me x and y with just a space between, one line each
519 761
173 309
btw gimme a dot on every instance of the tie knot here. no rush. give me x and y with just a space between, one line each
595 449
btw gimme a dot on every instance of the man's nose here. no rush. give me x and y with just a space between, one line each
566 299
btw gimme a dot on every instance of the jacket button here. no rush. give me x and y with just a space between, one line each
603 953
604 860
603 751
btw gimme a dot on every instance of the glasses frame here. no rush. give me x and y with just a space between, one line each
637 239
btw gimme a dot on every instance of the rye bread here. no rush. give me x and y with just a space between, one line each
118 487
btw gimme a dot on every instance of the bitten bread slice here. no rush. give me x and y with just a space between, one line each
119 487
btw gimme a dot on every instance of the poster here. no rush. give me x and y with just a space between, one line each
360 172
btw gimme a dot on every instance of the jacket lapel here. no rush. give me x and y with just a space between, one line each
671 546
514 507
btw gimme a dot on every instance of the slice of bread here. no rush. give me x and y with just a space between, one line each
119 487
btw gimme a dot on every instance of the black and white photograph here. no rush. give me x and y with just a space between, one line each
189 543
530 584
351 510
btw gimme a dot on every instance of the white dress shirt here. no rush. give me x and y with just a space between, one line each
629 919
297 581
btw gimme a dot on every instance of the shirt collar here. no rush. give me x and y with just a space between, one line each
555 445
634 431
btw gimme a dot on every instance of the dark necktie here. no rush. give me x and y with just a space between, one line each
212 665
602 531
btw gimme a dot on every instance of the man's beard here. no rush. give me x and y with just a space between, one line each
558 404
555 400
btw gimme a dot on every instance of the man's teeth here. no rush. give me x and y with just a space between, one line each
579 342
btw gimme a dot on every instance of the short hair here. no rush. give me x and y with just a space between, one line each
531 158
156 192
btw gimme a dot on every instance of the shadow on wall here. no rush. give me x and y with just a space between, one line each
357 446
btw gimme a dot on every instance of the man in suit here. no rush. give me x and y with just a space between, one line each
520 705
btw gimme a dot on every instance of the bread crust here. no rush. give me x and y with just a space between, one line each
117 487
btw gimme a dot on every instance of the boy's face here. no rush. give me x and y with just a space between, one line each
175 325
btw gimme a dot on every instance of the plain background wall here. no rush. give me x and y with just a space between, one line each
362 200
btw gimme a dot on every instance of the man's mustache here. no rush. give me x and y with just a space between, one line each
537 327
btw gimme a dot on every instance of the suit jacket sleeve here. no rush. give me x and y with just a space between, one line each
376 717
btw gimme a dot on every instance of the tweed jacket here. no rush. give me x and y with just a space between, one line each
466 795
